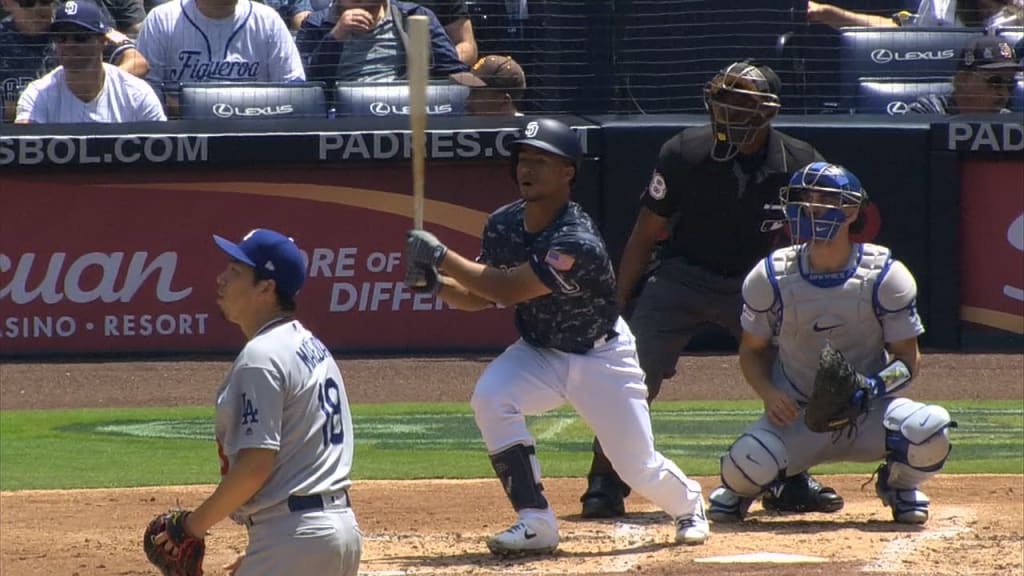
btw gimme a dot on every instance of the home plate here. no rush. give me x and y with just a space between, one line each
762 558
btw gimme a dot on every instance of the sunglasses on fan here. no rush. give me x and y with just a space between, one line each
73 37
997 81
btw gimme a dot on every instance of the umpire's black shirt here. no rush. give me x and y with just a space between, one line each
725 215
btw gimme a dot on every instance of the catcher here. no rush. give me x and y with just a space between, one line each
829 336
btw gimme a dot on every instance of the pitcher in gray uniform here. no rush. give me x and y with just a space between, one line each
544 255
283 426
861 300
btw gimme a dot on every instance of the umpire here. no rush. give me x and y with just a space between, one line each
715 191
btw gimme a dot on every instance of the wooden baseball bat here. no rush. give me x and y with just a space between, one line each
417 53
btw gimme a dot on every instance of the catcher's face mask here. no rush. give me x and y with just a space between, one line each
818 201
740 102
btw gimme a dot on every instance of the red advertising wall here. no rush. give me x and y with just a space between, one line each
108 261
992 244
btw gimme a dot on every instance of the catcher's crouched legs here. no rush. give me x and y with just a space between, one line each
751 466
917 441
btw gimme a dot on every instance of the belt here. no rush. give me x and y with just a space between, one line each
299 503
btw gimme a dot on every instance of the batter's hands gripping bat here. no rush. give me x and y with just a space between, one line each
416 68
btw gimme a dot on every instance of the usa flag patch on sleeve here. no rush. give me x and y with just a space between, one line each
559 261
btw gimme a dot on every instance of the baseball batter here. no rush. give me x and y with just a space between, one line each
283 426
861 301
209 41
544 255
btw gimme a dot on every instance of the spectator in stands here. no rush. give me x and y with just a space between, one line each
25 49
496 86
218 41
84 88
454 16
26 52
148 5
126 15
984 79
969 13
292 11
365 41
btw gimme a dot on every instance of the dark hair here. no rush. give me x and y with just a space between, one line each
285 302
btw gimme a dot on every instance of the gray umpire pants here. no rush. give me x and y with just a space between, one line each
677 302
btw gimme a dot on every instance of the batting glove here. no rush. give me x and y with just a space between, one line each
422 280
423 249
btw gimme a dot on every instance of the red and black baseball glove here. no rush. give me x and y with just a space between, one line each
186 559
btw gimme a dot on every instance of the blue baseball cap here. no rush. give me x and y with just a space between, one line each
81 14
272 255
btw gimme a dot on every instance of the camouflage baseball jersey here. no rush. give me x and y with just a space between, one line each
23 58
570 258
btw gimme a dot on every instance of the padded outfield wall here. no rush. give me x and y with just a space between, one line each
105 230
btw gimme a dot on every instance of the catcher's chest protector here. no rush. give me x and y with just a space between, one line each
845 314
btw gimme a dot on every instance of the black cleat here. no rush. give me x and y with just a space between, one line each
605 497
802 493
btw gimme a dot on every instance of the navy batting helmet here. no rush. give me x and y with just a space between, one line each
552 136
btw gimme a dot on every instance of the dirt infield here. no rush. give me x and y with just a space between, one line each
438 527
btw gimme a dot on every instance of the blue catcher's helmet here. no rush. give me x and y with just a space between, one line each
815 199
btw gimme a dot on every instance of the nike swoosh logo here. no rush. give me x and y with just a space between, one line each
529 535
752 460
825 328
925 421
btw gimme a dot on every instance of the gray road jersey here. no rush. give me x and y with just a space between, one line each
285 392
859 309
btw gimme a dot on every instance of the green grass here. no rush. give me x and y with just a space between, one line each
46 449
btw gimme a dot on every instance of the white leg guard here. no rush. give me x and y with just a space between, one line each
917 440
753 462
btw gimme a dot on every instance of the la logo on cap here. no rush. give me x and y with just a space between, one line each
71 8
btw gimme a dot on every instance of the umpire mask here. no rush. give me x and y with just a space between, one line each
741 100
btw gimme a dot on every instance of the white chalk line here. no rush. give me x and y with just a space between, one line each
894 555
555 428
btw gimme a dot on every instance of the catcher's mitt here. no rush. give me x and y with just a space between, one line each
834 404
187 557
